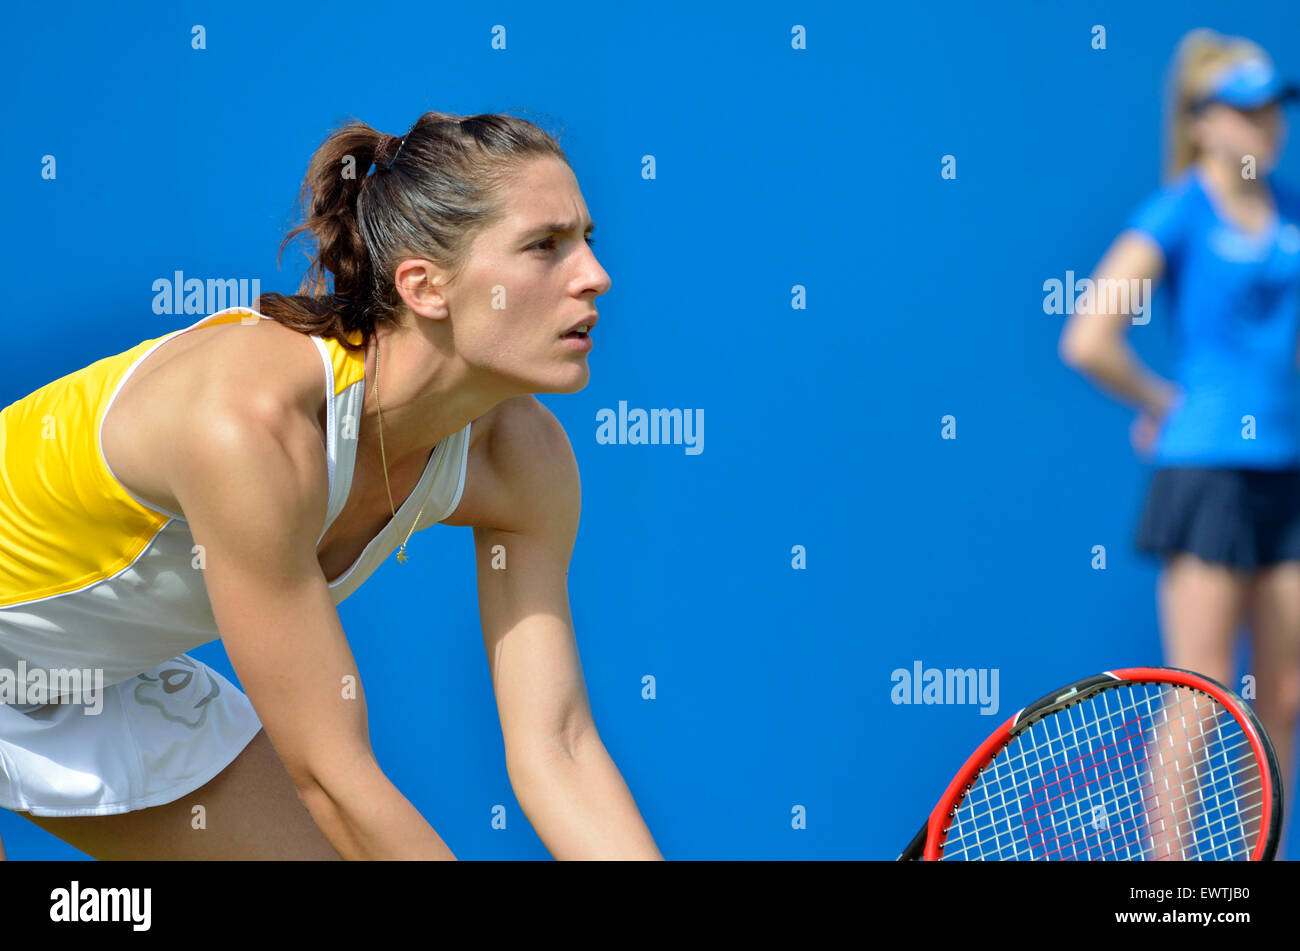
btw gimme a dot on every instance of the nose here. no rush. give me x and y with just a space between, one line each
598 280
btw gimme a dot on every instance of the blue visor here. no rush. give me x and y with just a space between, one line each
1249 85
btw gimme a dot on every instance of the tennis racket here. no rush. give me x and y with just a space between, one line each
1147 763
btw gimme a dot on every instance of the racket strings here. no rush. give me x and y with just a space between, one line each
1212 790
987 831
1122 794
1052 778
1134 771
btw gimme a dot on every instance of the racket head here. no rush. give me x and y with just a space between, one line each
1250 748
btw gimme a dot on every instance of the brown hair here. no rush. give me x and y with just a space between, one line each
1200 59
443 186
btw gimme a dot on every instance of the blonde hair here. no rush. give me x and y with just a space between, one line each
1201 58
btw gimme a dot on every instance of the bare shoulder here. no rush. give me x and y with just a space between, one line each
265 372
521 470
269 364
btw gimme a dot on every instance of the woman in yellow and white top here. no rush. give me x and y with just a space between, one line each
239 478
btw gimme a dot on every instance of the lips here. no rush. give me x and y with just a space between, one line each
587 322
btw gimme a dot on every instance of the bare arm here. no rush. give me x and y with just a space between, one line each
1095 343
526 523
255 497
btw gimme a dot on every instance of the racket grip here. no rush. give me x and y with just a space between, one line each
916 848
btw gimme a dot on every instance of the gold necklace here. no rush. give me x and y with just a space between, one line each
401 553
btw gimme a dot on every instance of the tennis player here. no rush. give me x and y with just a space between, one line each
1223 510
241 477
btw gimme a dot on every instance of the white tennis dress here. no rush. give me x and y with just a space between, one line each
94 579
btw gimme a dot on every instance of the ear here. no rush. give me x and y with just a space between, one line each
420 285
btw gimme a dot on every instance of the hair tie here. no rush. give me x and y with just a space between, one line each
393 158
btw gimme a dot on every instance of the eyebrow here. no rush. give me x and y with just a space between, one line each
560 227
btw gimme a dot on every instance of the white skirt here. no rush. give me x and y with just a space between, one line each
155 738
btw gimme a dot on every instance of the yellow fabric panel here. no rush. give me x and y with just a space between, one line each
349 366
65 522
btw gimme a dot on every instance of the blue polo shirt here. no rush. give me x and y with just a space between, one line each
1232 302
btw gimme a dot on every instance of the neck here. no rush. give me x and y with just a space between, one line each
1227 180
426 393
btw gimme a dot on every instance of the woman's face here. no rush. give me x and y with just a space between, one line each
529 278
1229 135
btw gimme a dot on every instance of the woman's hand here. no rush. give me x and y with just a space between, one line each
1143 433
1150 419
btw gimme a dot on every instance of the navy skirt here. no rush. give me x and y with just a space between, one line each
1243 518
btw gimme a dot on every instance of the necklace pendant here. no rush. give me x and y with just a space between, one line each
401 555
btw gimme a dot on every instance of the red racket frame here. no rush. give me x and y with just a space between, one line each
933 829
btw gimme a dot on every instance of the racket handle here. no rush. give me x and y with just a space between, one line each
916 848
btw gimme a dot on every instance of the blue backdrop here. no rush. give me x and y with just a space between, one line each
775 167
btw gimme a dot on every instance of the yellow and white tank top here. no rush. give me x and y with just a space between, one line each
93 577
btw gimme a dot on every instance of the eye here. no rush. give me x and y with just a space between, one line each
549 243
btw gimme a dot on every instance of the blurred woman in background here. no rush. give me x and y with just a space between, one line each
1223 510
